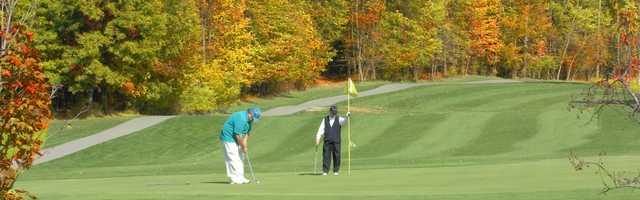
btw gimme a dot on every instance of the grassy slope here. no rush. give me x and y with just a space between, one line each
85 127
502 141
298 97
80 128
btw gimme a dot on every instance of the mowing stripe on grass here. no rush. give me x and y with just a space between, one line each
512 93
616 137
295 139
404 132
502 131
561 130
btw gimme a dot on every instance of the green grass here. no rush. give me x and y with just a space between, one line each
298 97
469 78
58 134
446 141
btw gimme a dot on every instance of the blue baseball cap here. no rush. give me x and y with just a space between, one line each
256 112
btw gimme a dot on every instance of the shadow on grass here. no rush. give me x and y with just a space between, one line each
309 174
187 183
215 182
168 184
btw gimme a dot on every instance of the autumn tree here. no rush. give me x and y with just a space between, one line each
454 34
361 37
409 45
289 48
431 18
330 18
24 96
620 87
127 52
226 64
485 35
526 26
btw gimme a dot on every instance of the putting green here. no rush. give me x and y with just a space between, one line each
489 141
552 179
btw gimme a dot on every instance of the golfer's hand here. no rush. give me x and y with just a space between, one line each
245 149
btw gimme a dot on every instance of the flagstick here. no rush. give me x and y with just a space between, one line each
349 126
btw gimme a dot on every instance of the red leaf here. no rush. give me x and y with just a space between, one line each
31 89
6 73
30 35
15 61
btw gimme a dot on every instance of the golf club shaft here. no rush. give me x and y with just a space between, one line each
253 176
315 161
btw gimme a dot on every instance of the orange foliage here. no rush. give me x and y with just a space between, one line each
541 48
24 109
485 33
129 88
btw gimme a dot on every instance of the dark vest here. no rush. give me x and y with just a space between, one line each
332 133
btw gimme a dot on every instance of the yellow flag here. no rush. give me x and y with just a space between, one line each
351 88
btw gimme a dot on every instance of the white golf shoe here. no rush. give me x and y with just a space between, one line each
243 181
335 173
324 174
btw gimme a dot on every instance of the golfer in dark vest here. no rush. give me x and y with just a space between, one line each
330 128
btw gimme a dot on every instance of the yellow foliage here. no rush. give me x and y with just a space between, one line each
207 87
635 85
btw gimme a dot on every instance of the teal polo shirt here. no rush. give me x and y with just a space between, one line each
237 124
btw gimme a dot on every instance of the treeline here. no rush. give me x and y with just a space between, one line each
199 55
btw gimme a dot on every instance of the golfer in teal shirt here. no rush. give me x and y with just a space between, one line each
234 136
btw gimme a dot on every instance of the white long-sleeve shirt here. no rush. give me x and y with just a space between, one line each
320 133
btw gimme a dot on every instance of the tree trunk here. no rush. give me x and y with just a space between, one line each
570 69
599 40
433 69
445 72
204 42
618 64
564 53
373 71
104 95
466 66
353 50
526 45
539 74
598 70
359 44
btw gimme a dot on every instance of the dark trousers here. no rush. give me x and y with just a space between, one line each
330 149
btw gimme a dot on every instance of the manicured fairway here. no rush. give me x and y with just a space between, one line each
58 134
448 141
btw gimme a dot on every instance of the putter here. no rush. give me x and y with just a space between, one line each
253 176
315 161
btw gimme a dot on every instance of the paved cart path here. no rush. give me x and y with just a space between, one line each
120 130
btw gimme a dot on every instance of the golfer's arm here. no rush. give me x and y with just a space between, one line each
320 132
342 120
242 141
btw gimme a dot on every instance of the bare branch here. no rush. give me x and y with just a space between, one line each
611 180
608 92
54 91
